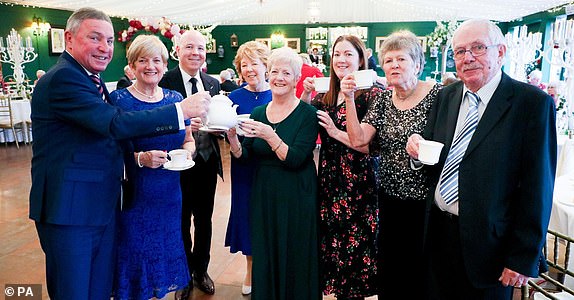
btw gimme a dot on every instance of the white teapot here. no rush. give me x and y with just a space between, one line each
222 113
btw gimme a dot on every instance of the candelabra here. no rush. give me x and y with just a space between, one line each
523 49
560 52
17 54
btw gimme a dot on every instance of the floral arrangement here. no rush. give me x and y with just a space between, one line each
159 25
442 33
165 28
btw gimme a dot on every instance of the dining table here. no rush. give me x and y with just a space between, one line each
21 110
565 153
562 216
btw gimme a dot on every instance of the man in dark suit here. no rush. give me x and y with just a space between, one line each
77 164
126 80
226 83
198 183
490 208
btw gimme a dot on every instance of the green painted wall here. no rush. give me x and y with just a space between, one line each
19 18
246 33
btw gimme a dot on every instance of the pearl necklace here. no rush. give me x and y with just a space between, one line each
151 97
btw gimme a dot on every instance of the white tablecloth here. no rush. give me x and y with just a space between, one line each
21 113
562 217
565 162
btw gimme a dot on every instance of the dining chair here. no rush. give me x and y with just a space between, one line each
550 285
7 120
27 127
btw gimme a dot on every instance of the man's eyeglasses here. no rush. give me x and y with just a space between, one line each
475 50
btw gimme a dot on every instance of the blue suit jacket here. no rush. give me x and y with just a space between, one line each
506 177
77 162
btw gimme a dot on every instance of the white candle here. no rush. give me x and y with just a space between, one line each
551 35
28 42
523 31
1 42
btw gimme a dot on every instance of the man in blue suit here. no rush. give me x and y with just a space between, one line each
77 163
489 211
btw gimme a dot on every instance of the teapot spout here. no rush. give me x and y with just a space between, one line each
235 106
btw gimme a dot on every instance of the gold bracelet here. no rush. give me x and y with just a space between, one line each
276 148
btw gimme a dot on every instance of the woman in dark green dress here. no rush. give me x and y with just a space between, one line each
284 208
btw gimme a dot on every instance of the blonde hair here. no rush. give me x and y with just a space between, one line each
146 45
252 50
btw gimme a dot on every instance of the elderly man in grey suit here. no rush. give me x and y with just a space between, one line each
489 211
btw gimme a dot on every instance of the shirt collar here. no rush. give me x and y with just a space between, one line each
486 92
186 77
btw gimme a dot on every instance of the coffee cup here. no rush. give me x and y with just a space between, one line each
322 84
364 79
178 157
240 119
429 151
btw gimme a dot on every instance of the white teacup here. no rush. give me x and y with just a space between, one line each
240 119
178 157
429 151
364 79
322 84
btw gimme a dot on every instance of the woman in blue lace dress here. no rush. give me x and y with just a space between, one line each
151 260
251 63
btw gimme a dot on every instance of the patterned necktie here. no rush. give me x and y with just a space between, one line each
98 83
449 178
193 85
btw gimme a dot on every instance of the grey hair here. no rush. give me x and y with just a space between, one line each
286 55
225 75
494 33
404 40
85 13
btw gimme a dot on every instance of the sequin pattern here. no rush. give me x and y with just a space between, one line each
394 126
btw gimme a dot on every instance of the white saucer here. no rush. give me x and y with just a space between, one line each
216 127
212 129
188 164
427 163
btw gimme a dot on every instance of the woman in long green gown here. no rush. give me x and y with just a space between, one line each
284 208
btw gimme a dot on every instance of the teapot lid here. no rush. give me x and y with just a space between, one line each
221 97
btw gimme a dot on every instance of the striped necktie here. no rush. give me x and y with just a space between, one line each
98 83
448 186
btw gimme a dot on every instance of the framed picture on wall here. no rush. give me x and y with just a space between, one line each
294 43
379 42
264 41
380 39
57 41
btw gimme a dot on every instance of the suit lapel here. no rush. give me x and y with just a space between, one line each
177 81
454 98
498 105
207 85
